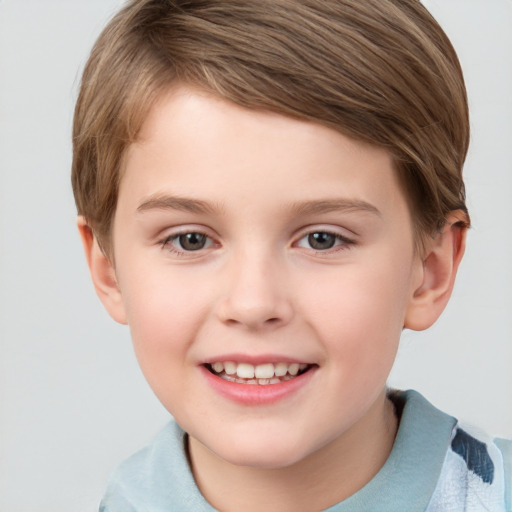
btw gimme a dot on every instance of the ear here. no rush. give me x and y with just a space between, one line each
102 273
439 268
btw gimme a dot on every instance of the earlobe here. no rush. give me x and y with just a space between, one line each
102 273
439 269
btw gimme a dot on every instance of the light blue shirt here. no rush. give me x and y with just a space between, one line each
436 465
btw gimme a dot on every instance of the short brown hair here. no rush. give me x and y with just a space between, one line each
380 71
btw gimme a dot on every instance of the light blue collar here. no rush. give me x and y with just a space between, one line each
409 477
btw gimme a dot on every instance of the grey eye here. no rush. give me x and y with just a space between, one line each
321 241
191 241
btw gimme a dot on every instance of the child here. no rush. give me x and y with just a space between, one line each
268 193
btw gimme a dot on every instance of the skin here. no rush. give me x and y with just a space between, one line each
257 185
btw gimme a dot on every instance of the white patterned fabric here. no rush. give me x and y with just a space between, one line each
472 478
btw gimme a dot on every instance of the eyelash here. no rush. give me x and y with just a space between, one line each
167 243
341 242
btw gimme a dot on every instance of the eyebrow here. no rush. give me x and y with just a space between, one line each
332 205
185 204
170 202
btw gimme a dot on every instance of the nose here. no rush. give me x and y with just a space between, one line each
257 296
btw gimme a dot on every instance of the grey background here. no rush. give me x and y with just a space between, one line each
73 403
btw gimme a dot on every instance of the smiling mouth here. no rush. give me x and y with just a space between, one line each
262 374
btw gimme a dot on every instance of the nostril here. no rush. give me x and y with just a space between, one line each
268 321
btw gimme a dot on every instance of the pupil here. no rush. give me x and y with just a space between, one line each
192 241
321 241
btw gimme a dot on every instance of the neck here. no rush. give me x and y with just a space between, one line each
316 482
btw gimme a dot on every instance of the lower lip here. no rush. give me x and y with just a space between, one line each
256 394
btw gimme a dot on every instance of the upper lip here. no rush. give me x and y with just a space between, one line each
255 359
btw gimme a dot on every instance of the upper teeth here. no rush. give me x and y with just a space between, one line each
261 371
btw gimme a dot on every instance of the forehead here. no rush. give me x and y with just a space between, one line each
196 145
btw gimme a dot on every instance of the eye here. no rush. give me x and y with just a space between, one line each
187 242
323 241
191 241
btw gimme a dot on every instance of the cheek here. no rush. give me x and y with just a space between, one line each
163 316
164 311
359 311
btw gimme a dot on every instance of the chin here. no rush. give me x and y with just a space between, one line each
257 459
261 453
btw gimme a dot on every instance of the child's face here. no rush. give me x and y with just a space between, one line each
249 237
